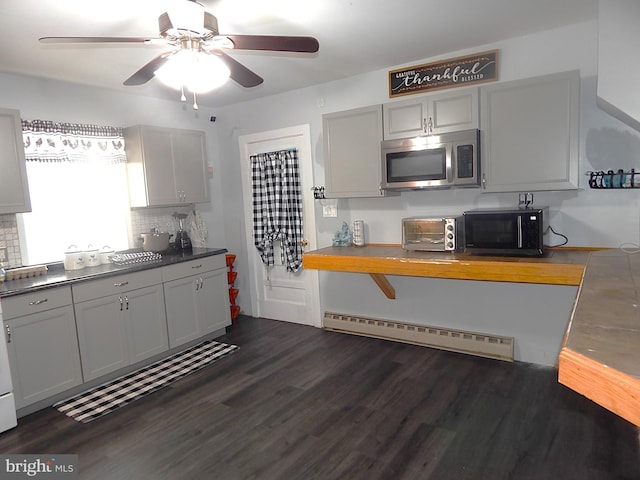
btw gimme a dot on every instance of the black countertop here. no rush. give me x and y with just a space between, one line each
58 276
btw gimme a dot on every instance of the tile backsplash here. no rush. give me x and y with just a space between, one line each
144 219
10 241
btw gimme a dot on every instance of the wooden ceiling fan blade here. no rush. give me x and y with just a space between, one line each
276 43
61 40
147 72
240 73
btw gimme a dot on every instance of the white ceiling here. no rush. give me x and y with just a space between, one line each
355 36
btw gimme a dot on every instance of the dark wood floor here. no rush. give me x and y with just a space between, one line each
298 402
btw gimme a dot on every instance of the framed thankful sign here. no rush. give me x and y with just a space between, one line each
454 72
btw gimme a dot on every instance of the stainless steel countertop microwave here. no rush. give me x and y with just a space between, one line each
432 161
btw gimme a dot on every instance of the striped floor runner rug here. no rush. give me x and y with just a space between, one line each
106 398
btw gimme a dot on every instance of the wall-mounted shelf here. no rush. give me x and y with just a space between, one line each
610 179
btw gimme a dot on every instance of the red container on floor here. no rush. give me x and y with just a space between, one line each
235 311
233 293
231 277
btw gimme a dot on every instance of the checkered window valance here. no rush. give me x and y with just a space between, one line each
46 141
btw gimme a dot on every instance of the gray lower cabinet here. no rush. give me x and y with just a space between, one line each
42 343
60 337
122 328
196 298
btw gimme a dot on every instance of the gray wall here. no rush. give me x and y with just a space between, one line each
535 315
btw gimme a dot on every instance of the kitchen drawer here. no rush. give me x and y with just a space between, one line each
113 285
193 267
34 302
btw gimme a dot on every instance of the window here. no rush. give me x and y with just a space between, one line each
78 186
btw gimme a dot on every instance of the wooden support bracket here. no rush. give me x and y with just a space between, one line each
384 285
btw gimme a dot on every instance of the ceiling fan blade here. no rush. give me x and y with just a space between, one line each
275 43
240 73
147 72
96 40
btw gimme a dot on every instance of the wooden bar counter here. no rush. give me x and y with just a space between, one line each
600 355
556 267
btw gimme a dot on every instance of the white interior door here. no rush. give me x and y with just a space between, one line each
276 293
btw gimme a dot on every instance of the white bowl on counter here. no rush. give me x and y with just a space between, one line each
155 241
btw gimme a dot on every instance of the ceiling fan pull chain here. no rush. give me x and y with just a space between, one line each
182 97
195 104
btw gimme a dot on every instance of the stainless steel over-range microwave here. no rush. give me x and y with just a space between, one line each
432 161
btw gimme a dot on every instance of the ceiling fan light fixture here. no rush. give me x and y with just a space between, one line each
194 70
187 16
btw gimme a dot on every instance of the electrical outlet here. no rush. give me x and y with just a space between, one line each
3 254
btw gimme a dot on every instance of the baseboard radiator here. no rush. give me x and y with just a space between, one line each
480 344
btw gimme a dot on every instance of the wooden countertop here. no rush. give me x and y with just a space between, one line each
557 267
600 355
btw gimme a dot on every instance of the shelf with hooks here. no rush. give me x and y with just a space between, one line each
610 179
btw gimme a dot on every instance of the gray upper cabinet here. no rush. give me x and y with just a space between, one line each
166 166
353 162
530 134
618 39
432 114
14 189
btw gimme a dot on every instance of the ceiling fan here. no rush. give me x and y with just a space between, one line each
192 29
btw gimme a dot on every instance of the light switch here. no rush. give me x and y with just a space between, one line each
329 207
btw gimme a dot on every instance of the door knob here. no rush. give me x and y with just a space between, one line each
304 242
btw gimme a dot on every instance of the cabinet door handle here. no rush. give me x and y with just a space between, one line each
484 182
38 302
197 266
120 284
121 303
430 125
8 329
126 299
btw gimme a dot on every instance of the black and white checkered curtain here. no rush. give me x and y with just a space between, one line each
277 206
